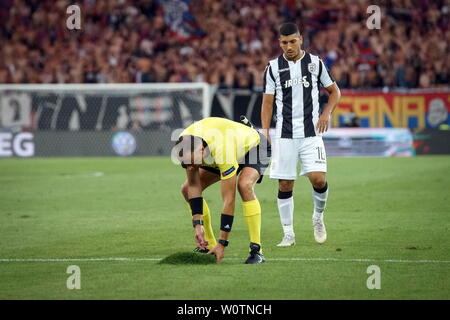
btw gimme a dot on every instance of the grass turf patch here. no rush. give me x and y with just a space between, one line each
189 258
380 209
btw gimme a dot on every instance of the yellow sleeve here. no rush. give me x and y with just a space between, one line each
228 170
227 163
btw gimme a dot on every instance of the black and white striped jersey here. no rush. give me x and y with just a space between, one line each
296 90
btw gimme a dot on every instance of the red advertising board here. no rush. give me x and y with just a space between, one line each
378 109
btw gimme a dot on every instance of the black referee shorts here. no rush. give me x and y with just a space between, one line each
257 158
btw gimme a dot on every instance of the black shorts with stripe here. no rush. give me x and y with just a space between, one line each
257 158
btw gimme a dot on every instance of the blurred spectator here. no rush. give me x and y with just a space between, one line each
130 41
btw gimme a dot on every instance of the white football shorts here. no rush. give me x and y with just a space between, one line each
286 153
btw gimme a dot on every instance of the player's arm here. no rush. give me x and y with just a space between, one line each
228 190
334 95
196 203
194 182
268 97
266 113
333 99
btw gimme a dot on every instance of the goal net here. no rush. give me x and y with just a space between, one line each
97 119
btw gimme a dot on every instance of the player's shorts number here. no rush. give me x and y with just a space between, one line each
320 153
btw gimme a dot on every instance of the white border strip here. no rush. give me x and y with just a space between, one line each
268 259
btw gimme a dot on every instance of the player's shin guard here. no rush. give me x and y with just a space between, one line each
320 197
252 216
209 233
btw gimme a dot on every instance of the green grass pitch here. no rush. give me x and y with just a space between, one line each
389 212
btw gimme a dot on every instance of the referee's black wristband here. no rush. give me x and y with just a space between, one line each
223 242
196 205
196 222
226 222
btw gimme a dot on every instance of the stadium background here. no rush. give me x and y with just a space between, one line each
395 76
138 70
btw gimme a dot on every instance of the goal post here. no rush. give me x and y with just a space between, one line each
98 119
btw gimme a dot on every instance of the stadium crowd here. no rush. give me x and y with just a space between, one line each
231 41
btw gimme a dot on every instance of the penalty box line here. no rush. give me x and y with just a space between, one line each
267 259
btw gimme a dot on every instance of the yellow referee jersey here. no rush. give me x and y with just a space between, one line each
228 142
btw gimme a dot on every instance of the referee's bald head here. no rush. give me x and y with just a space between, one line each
288 28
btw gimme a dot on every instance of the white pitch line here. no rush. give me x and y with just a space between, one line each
360 260
268 259
78 259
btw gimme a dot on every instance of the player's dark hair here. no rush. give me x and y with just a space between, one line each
188 144
288 28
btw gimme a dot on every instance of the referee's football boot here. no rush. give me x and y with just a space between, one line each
201 250
255 254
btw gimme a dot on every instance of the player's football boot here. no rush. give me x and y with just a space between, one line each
255 254
288 240
320 232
